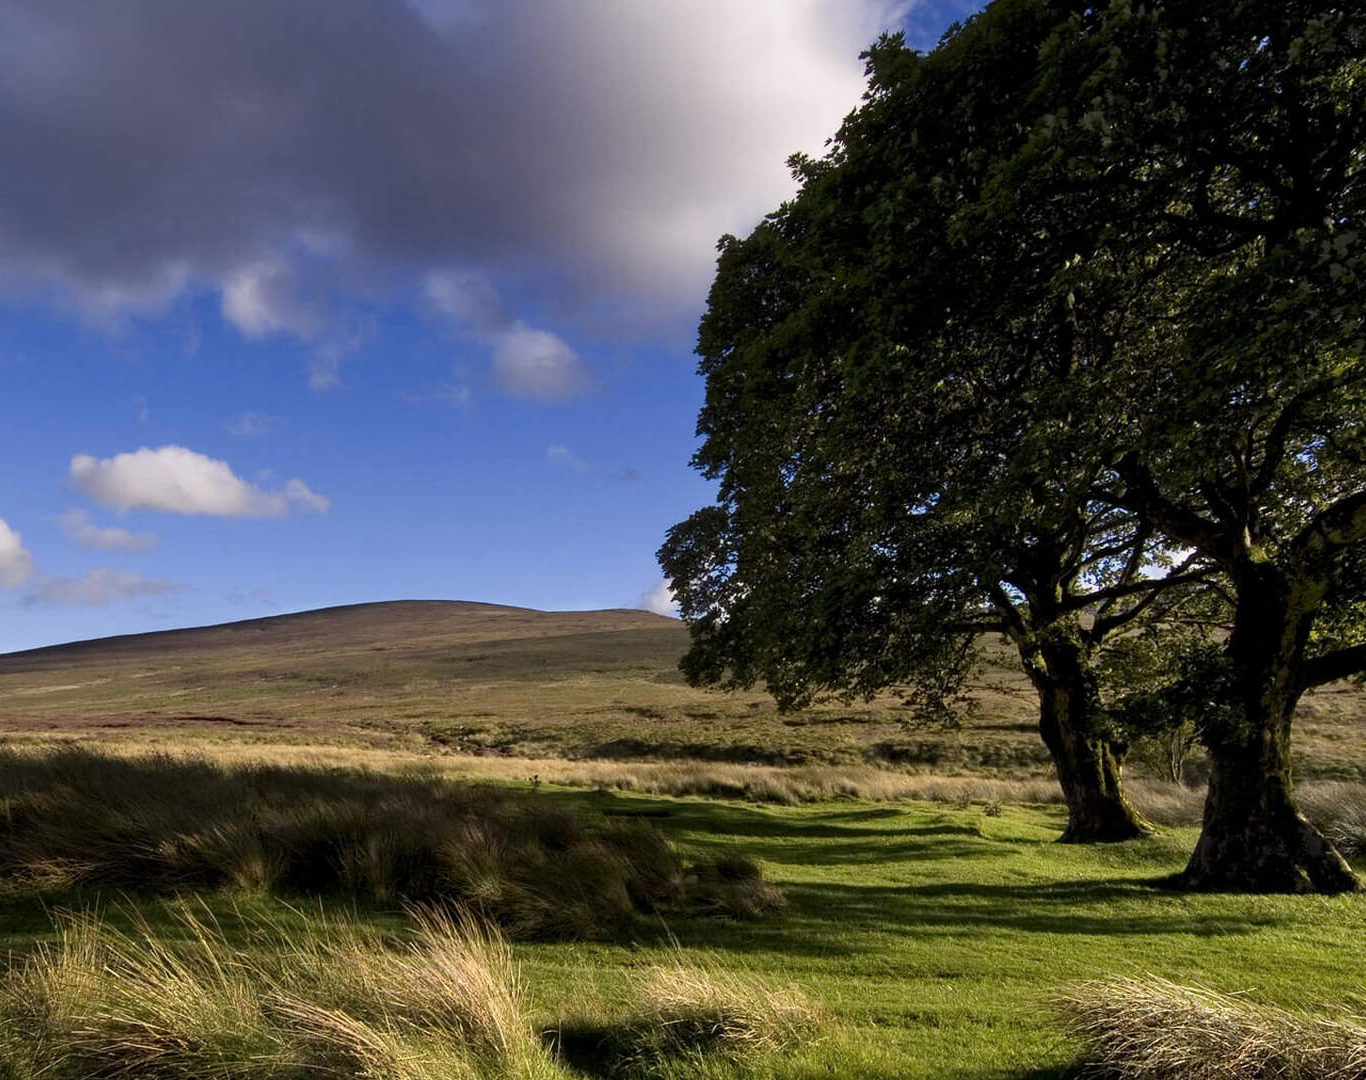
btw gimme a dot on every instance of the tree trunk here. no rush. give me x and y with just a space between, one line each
1253 839
1089 765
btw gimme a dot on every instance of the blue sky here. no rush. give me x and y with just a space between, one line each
325 301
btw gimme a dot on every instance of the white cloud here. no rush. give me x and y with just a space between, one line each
527 362
538 364
179 481
98 588
16 564
660 600
297 491
77 525
259 299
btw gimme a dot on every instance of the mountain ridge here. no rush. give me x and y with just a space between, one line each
309 620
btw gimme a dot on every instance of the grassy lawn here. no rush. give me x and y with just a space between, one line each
932 938
938 936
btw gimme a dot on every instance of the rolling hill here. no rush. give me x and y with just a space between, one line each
455 677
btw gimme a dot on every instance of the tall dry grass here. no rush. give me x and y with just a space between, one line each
1338 809
687 1007
1151 1029
107 1002
74 819
689 1004
332 997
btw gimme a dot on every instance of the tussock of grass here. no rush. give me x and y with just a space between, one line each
688 1005
333 997
1338 809
685 1009
1151 1029
1165 803
732 887
73 819
103 1002
106 1003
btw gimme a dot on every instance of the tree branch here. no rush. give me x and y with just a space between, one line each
1010 614
1338 526
1274 447
1179 523
1333 666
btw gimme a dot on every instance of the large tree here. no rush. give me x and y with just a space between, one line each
1083 284
896 467
1218 152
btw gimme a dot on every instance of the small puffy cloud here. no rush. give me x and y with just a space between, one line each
259 299
324 368
177 480
77 525
527 362
537 364
660 600
16 564
98 588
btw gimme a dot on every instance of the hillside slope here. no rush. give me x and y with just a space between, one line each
446 676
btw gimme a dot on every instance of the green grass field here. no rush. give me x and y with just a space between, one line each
929 937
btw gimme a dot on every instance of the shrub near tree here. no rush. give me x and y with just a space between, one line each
896 468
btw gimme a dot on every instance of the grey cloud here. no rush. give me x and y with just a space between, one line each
585 148
77 525
98 588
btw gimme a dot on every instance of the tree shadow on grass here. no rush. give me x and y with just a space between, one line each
1113 907
825 919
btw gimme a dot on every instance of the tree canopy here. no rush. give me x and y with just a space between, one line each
897 466
1073 297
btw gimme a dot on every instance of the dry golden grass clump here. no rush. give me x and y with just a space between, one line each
104 1002
1338 809
74 819
1151 1029
691 1005
1165 803
686 1008
333 997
